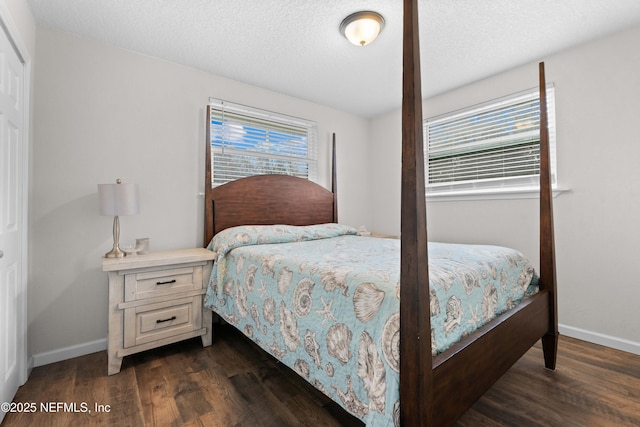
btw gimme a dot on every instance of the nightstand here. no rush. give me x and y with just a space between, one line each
156 299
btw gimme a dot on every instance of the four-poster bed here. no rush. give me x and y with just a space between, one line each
433 390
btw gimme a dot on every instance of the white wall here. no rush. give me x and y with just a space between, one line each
597 228
103 113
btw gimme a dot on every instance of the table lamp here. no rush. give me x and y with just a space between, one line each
117 199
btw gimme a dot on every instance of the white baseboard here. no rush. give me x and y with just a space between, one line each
65 353
600 339
29 367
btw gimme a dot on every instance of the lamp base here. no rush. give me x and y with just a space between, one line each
116 252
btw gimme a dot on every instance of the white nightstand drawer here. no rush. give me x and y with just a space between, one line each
152 322
151 284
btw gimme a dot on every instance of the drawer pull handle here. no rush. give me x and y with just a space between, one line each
166 283
166 320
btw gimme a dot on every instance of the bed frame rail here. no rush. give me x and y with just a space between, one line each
460 378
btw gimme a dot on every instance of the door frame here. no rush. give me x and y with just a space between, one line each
10 29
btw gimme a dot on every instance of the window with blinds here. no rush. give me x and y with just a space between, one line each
247 141
491 146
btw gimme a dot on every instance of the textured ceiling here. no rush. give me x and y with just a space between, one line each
294 46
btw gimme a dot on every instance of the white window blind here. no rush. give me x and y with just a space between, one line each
247 141
490 146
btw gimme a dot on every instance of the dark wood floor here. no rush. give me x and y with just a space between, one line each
233 383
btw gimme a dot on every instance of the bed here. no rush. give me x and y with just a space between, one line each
397 371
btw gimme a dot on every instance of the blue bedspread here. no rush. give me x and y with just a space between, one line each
325 302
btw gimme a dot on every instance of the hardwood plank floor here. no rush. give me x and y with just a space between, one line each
234 383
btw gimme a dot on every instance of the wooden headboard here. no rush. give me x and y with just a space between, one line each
267 199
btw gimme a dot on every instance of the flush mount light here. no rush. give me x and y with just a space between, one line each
361 28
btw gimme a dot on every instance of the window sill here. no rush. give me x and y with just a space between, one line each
490 194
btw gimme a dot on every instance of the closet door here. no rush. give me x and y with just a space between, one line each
12 222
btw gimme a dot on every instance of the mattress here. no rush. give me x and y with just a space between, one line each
325 301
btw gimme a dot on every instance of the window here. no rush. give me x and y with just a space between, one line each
489 148
246 141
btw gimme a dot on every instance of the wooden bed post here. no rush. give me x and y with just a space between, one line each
208 210
416 374
334 178
547 241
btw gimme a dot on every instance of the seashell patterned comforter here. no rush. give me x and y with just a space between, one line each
324 301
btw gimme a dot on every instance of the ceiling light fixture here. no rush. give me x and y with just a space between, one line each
362 28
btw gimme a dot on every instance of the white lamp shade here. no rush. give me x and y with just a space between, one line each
118 199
